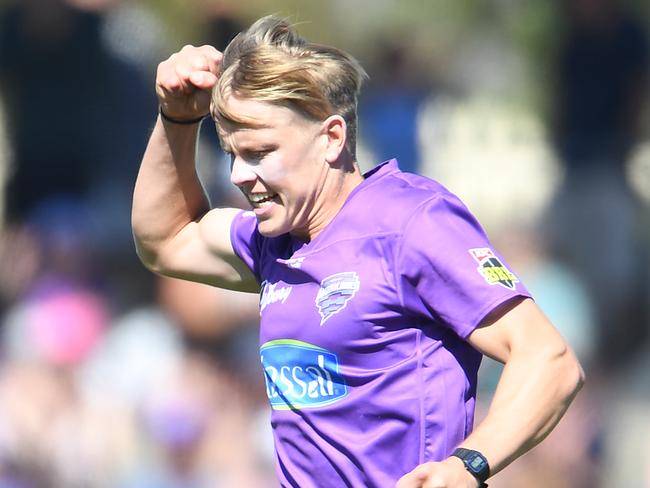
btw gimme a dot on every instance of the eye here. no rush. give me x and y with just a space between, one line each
257 155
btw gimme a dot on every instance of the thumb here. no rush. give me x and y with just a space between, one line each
410 480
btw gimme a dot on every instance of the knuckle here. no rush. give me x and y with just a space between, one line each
172 83
164 79
169 65
211 50
162 67
199 63
167 82
212 56
182 69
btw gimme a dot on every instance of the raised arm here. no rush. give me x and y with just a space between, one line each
176 233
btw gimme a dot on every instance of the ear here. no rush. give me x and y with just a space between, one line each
335 129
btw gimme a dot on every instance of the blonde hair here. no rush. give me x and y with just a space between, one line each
271 63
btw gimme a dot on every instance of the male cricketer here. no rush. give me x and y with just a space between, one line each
379 292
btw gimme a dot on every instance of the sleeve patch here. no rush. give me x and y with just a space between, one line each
492 269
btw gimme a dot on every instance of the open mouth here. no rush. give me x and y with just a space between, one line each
261 199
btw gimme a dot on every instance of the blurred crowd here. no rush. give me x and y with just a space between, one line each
113 377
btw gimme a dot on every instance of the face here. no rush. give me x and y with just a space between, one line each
280 166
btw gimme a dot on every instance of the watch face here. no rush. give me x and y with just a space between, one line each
476 463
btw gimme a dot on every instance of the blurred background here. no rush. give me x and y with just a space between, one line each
536 113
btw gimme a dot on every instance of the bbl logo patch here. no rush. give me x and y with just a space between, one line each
335 292
300 375
492 269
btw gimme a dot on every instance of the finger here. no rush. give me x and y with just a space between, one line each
183 70
173 73
167 80
211 52
409 480
203 80
199 62
186 49
179 67
196 69
198 58
187 70
213 56
416 477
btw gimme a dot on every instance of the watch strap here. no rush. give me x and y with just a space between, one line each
475 463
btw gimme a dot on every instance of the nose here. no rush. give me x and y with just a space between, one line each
241 174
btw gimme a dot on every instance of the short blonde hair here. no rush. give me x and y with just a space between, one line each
270 62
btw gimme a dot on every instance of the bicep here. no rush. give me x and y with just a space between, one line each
202 252
520 327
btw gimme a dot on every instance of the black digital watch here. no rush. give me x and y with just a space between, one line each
475 463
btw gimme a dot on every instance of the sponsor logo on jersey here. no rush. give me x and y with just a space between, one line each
335 292
492 269
300 375
272 293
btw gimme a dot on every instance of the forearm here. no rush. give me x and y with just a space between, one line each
168 194
535 389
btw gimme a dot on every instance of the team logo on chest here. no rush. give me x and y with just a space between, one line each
335 292
492 269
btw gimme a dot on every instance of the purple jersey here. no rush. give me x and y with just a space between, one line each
363 331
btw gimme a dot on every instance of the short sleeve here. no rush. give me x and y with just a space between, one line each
447 269
246 240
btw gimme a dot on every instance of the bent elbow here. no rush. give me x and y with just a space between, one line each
572 373
148 257
580 377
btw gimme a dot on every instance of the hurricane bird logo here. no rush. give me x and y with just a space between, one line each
335 292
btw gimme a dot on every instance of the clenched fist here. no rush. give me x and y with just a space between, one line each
184 82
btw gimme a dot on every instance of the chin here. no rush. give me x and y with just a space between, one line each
269 229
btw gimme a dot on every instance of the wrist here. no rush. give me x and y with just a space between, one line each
474 463
174 120
468 479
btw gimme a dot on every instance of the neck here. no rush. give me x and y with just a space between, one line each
335 191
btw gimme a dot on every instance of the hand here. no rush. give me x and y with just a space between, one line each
450 473
184 82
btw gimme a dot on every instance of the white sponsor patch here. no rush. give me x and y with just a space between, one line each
272 293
